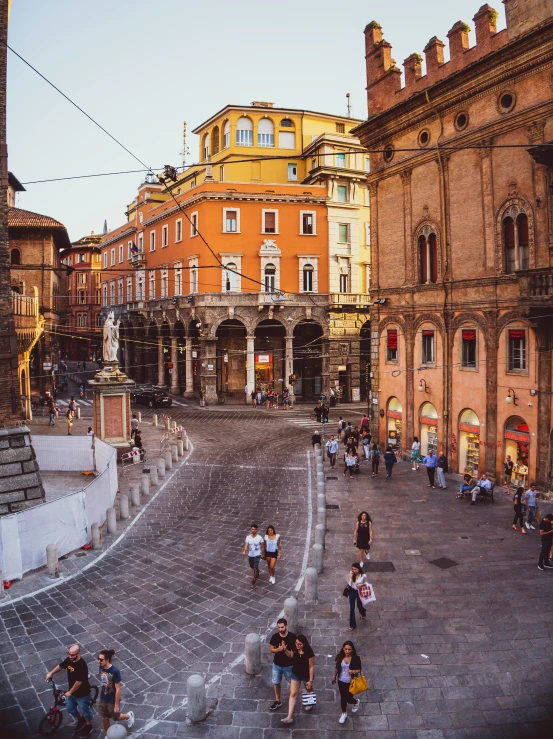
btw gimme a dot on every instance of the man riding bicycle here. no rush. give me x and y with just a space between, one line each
78 696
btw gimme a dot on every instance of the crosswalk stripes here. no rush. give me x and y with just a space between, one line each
183 405
80 402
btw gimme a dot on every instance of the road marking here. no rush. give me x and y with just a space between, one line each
215 679
183 405
245 466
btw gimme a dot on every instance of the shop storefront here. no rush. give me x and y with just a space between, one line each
517 446
264 371
469 442
428 419
394 425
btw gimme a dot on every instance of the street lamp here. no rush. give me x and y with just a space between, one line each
423 387
511 397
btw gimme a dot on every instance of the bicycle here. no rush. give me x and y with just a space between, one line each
52 721
220 399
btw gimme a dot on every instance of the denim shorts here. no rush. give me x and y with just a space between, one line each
76 706
297 679
279 673
254 562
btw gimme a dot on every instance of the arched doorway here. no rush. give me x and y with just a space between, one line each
428 419
231 358
308 359
365 359
270 348
394 422
469 442
517 446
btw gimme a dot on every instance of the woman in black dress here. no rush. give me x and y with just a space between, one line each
519 516
363 535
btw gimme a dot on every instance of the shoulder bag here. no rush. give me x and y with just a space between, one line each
358 684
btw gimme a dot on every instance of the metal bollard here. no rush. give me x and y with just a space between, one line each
153 475
135 495
161 467
168 460
195 690
96 536
145 485
78 413
124 506
180 448
320 534
318 558
321 516
139 416
253 654
52 563
310 585
112 521
154 419
174 454
291 614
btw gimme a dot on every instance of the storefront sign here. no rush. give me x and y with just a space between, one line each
209 367
394 414
355 394
47 365
263 358
518 436
469 428
429 421
342 368
194 355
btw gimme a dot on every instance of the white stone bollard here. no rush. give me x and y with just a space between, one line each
320 534
96 536
52 563
185 440
124 506
135 495
78 413
153 475
112 521
310 585
318 558
139 416
321 501
253 654
168 460
117 731
320 476
154 419
174 454
180 448
161 467
145 485
321 516
117 507
167 424
195 691
291 614
173 425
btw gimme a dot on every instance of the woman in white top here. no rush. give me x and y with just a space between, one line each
415 453
273 551
356 578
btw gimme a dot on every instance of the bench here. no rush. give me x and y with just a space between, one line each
486 495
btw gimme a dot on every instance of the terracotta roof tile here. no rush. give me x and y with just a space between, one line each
26 219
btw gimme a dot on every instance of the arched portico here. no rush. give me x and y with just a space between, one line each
308 348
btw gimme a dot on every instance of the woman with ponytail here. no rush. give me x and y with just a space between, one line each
109 701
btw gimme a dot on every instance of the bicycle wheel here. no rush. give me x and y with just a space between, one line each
93 694
50 723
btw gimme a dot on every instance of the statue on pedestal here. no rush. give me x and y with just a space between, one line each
111 339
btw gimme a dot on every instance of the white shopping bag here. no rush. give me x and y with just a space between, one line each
366 593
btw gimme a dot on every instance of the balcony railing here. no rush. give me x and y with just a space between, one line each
349 299
138 260
536 284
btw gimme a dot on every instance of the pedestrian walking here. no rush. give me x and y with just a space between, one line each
341 427
318 411
375 459
389 461
286 399
282 645
77 698
109 701
90 431
350 462
430 462
364 423
363 535
72 405
347 431
69 419
202 399
254 546
325 412
259 396
518 508
508 468
415 453
356 578
366 444
546 533
254 398
52 412
316 438
331 451
347 665
530 500
134 425
303 671
273 551
442 469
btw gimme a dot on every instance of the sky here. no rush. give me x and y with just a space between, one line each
141 68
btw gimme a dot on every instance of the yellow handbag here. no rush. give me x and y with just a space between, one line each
358 684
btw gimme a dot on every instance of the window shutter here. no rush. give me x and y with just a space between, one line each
392 338
509 231
469 335
270 222
522 225
517 333
433 258
423 260
428 333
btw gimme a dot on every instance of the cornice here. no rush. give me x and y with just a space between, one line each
123 234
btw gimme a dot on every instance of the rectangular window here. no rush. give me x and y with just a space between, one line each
367 234
340 128
120 292
391 345
99 320
226 139
178 281
97 296
120 253
265 139
344 283
152 240
314 163
113 256
244 137
221 173
81 297
307 279
468 347
105 293
140 243
112 292
340 160
194 224
178 230
231 221
129 289
287 140
342 194
517 350
292 172
81 257
343 233
165 236
152 285
269 222
308 224
367 164
164 284
81 278
427 346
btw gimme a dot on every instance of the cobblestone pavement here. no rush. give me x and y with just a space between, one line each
449 653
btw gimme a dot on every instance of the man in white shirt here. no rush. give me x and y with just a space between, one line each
482 484
254 546
331 450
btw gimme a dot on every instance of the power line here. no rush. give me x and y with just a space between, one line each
86 176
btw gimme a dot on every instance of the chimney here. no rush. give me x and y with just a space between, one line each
412 66
434 53
458 41
523 15
484 24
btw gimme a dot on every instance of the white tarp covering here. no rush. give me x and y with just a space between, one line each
66 521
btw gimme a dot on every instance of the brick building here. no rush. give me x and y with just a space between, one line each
462 236
82 320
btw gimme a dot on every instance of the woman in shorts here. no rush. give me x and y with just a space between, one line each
416 453
109 702
273 551
303 671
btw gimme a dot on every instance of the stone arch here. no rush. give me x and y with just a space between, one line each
425 227
432 318
514 206
391 319
509 317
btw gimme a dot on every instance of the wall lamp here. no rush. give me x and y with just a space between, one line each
511 397
423 387
380 301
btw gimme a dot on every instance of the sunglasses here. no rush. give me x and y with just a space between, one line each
101 659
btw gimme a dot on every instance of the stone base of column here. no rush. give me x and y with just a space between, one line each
190 394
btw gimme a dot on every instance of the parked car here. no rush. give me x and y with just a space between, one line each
154 397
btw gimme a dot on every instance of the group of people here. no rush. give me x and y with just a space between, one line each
432 463
77 697
269 398
257 547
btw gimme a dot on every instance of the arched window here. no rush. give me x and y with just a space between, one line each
226 135
265 132
244 132
231 278
15 256
206 146
270 278
286 123
428 256
215 140
307 278
515 239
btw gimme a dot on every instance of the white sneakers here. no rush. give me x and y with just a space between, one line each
130 720
272 580
356 706
342 719
367 555
527 525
